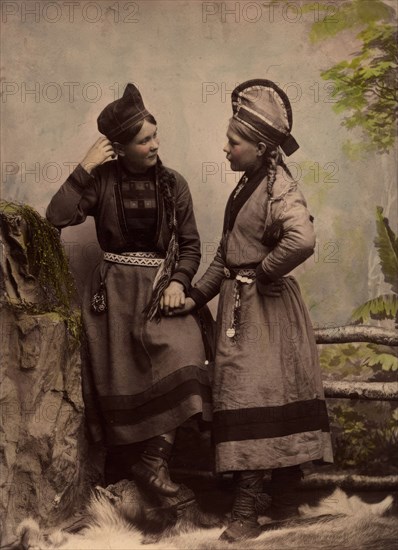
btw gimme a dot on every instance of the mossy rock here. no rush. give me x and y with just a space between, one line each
35 273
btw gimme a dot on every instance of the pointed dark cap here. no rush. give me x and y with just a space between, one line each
122 114
264 108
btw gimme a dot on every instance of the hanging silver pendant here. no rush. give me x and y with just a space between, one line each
98 301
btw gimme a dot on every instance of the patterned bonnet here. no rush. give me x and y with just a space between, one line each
264 108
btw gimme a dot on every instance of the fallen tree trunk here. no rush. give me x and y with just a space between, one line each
376 391
315 480
356 333
352 481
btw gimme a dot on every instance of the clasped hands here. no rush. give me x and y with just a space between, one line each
174 301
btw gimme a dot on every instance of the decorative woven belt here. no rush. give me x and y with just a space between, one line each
244 275
145 259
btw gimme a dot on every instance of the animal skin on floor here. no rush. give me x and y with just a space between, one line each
122 517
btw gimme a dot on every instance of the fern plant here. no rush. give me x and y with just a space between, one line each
355 359
384 306
362 440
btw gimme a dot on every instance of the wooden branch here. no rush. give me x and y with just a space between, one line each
314 480
354 481
356 333
381 391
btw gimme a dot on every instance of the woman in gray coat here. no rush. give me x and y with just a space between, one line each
269 406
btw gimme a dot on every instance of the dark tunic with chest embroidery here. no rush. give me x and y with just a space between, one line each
269 406
138 195
140 379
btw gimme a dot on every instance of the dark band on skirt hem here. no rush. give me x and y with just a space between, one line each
190 373
269 422
158 424
156 406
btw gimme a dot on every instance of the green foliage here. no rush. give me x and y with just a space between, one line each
365 437
387 245
365 92
382 307
345 15
357 361
361 440
386 305
344 361
364 86
387 361
48 264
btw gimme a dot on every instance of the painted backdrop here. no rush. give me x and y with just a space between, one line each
62 62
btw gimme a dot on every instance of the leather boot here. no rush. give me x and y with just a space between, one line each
283 489
243 523
152 470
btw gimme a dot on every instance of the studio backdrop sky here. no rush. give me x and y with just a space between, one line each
62 62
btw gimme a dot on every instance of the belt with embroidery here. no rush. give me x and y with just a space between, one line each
244 275
145 259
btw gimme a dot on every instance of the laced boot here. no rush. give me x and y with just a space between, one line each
283 489
152 467
243 523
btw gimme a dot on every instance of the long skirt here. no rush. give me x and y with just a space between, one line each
269 406
140 379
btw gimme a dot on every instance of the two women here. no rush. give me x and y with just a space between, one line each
268 401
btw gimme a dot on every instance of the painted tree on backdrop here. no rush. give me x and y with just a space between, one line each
365 85
364 90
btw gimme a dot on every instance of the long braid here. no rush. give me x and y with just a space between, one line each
167 184
285 167
273 231
273 158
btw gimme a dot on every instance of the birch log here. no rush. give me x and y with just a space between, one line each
382 391
356 333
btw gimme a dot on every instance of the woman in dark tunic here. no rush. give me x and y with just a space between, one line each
140 378
269 406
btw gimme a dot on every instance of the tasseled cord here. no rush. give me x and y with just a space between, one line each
167 184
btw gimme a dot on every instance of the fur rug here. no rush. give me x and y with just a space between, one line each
121 517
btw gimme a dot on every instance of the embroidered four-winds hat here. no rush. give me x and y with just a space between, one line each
264 108
120 115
